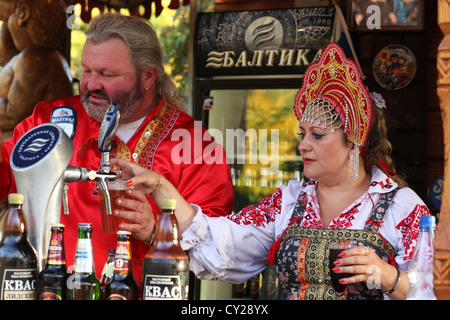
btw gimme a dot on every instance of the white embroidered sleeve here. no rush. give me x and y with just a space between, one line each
232 248
401 226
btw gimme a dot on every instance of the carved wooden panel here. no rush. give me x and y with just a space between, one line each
442 245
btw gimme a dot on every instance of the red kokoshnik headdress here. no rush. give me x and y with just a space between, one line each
337 80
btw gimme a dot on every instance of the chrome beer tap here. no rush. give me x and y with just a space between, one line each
40 164
107 132
105 137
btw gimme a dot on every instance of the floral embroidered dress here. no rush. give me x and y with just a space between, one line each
236 247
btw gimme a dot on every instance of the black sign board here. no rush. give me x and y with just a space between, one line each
261 42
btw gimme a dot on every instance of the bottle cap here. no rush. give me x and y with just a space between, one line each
427 221
84 226
15 198
58 225
168 204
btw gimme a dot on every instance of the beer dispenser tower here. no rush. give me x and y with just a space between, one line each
40 164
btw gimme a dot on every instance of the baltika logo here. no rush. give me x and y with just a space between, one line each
264 33
36 145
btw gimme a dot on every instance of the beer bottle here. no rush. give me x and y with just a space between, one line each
18 258
107 272
166 266
122 286
239 290
253 287
83 284
53 278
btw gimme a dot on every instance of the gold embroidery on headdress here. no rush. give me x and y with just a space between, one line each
336 79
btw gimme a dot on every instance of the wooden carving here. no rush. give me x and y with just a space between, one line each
442 244
35 71
31 67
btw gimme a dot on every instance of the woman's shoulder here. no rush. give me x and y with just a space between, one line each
408 206
408 196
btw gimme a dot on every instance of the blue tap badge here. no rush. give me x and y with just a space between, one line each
35 145
66 118
435 192
208 103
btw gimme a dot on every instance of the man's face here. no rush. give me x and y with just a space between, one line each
109 76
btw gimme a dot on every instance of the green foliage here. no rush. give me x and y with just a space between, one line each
174 40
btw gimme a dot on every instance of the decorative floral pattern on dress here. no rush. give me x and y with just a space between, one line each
311 216
302 257
260 214
387 183
409 227
344 220
302 262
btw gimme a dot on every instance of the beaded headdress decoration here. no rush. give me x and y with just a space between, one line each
334 82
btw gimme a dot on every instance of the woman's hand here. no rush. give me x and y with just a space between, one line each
146 180
155 185
138 212
368 267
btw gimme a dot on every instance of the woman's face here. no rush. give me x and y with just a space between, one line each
325 154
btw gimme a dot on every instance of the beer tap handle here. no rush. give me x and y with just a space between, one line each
107 132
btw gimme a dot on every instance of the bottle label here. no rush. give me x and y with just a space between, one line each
83 256
158 287
122 256
56 256
56 252
17 283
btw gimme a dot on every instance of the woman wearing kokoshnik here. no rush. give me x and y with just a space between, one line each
351 193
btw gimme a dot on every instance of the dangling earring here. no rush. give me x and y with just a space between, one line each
353 164
146 88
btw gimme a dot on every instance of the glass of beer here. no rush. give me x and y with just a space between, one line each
117 189
336 247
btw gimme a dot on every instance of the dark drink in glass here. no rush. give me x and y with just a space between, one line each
335 249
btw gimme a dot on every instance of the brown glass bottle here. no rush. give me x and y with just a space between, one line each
18 258
166 266
122 286
53 278
107 272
